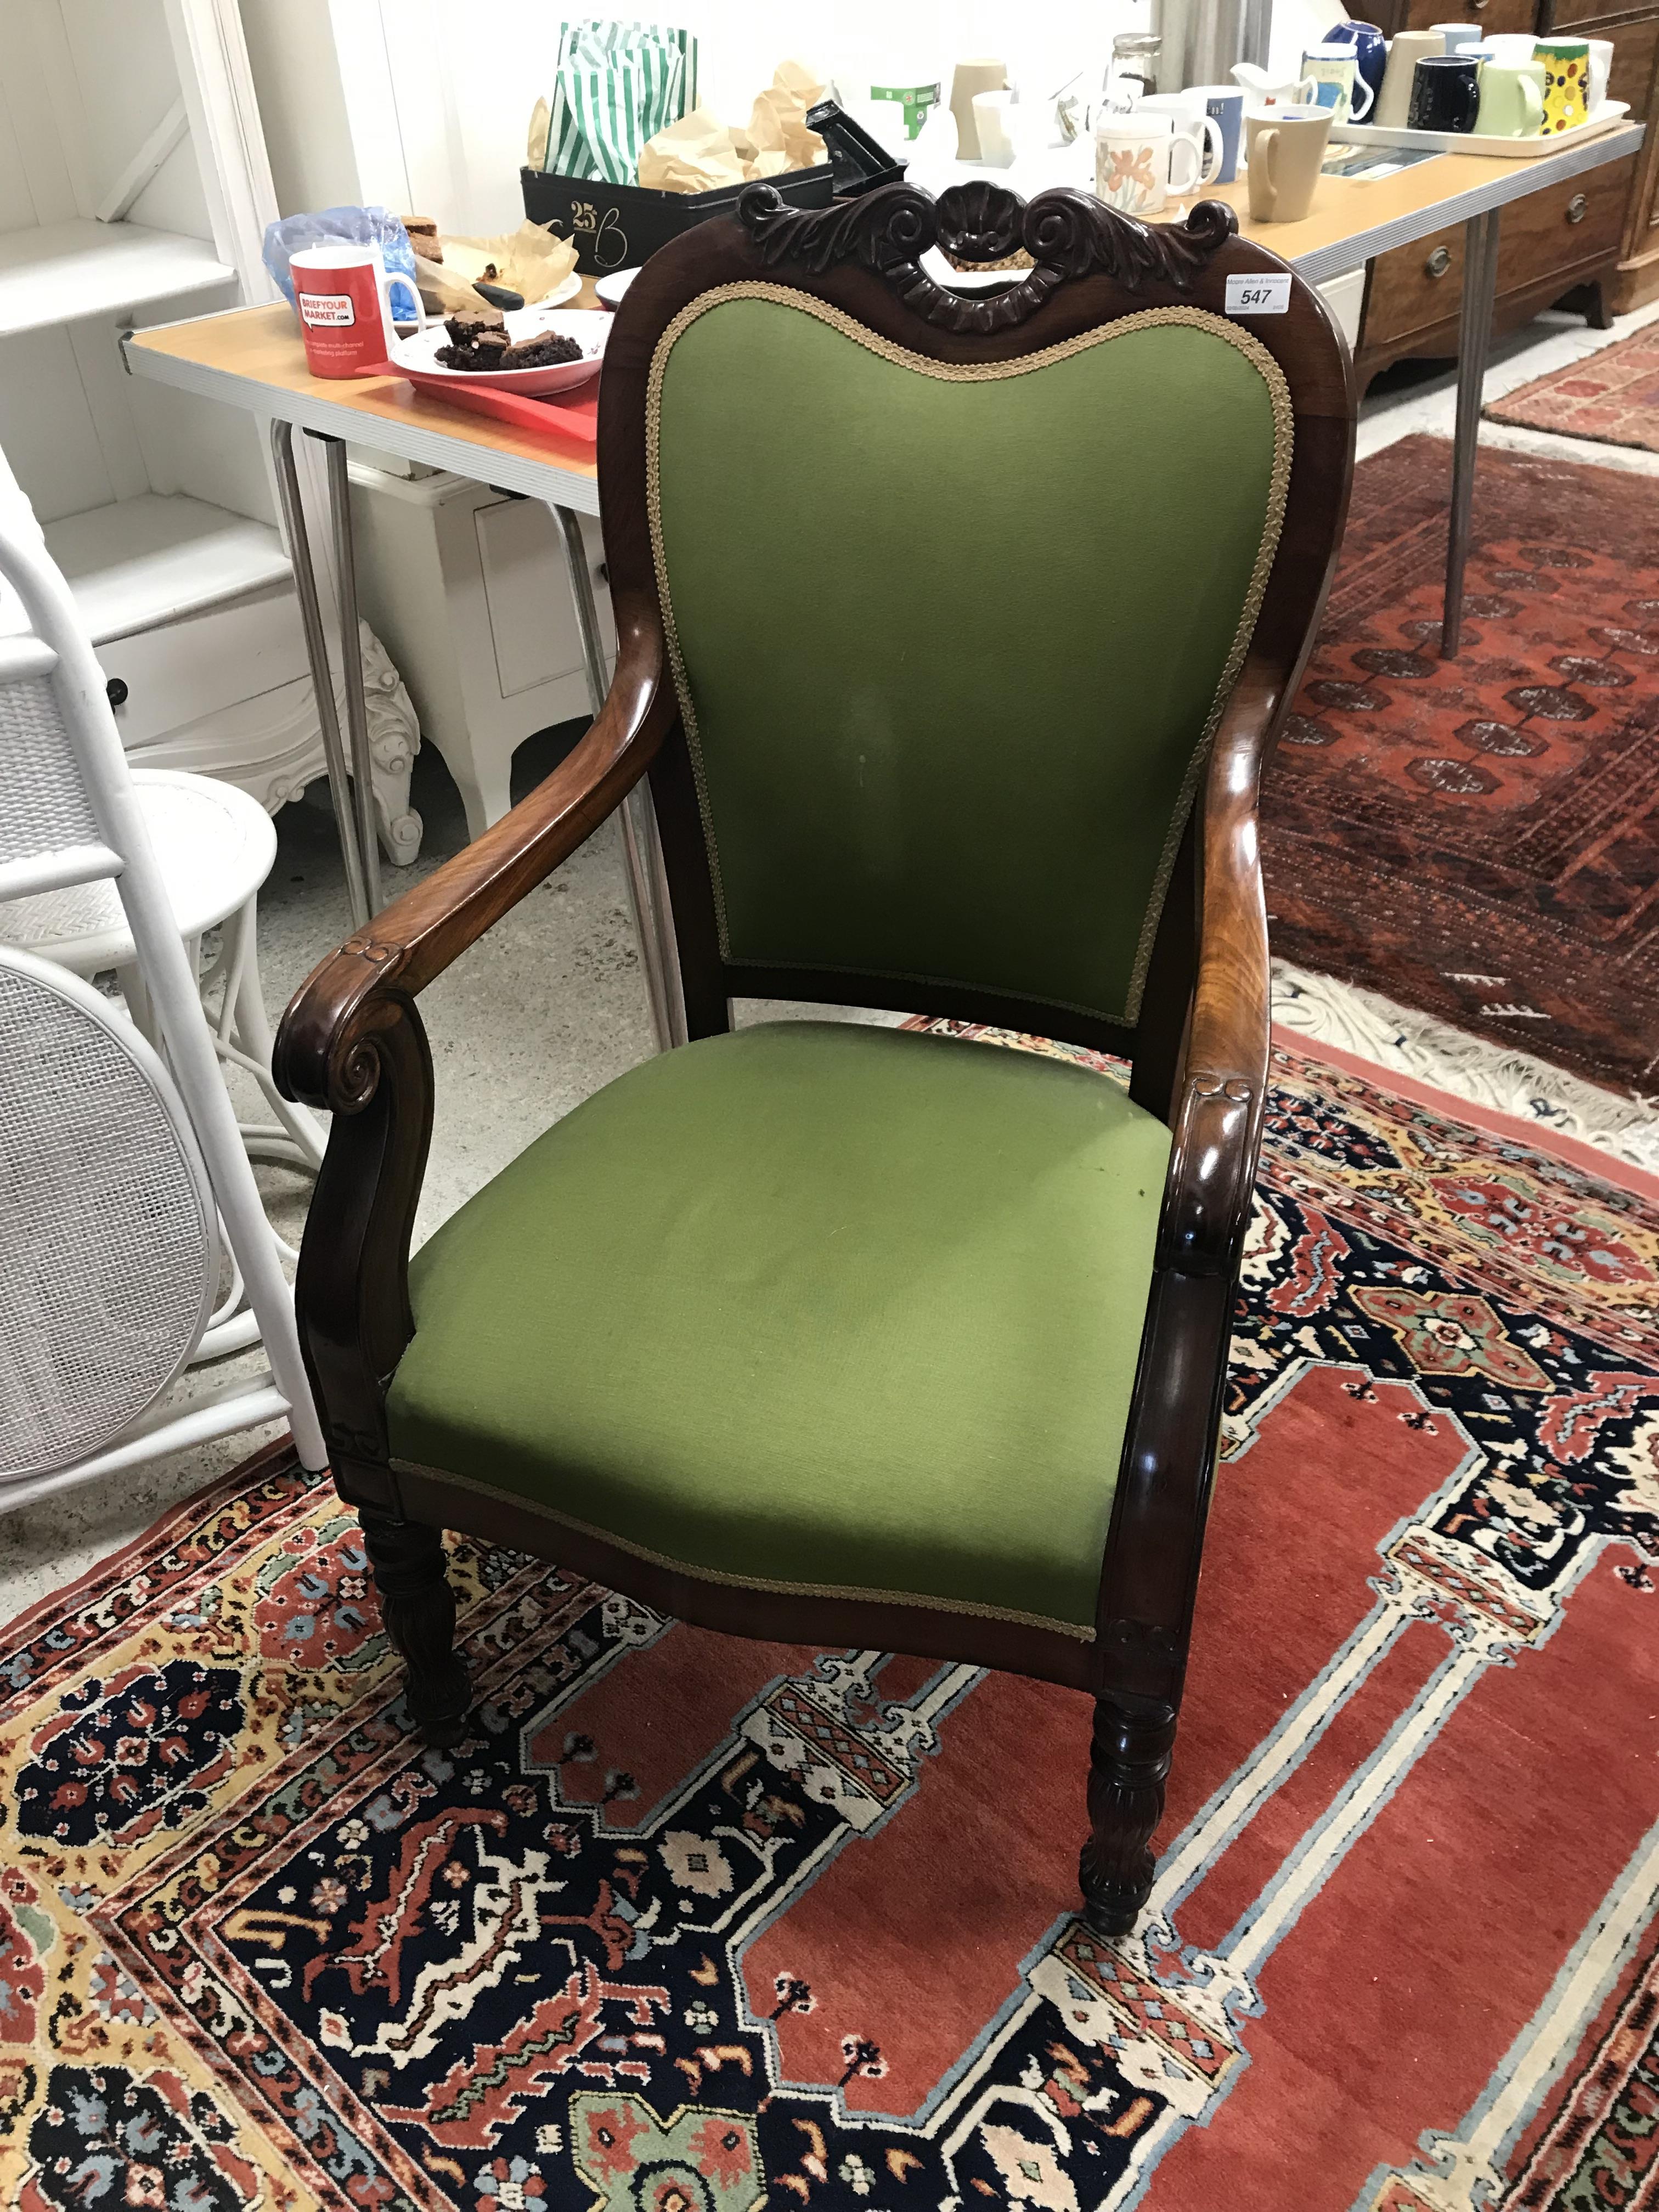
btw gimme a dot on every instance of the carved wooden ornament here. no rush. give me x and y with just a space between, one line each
1067 234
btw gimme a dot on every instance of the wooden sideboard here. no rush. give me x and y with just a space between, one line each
1592 244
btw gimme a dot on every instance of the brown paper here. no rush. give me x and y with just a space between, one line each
531 260
700 153
778 123
541 123
695 154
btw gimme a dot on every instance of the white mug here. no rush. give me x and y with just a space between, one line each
1190 111
991 121
1338 85
1510 47
1136 158
1600 67
1459 35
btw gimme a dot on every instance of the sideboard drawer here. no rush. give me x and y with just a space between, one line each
1580 16
1414 285
1570 223
1491 15
1634 47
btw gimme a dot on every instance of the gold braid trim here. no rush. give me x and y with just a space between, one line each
701 1574
1279 396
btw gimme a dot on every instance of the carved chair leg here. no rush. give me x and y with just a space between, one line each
1128 1760
418 1608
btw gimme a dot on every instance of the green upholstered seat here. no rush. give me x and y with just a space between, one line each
811 1305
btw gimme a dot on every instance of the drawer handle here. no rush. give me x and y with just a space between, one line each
1577 208
117 688
1438 262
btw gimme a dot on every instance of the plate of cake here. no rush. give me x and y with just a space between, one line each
530 350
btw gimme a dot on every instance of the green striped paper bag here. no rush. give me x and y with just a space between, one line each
616 84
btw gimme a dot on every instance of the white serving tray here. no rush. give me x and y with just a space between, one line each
1469 141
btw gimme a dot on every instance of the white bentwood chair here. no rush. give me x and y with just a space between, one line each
119 1171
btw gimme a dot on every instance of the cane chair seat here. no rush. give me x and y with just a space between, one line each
812 1307
214 844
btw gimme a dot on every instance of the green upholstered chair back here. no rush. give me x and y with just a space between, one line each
950 638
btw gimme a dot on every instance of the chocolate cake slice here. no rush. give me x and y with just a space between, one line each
547 351
478 336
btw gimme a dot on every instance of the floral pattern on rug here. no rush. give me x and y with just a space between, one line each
1479 838
690 1924
1612 395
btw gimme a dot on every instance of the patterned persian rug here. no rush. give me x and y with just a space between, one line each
1479 838
1612 396
688 1924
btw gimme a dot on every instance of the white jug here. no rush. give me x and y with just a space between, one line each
1269 91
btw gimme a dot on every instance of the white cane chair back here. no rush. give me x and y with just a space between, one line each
107 1223
156 1145
44 807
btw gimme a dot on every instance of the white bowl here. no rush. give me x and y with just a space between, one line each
610 288
589 329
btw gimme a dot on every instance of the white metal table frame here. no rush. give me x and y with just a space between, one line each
570 495
348 774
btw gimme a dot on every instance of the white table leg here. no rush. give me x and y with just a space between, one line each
653 923
351 669
322 677
1473 344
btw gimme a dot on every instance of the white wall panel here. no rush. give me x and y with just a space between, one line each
425 105
46 429
307 129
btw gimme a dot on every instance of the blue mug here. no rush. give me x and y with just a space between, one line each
1370 50
1224 105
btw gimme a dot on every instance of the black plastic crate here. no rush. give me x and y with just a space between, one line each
620 226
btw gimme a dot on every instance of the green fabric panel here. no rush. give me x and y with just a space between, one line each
812 1303
952 647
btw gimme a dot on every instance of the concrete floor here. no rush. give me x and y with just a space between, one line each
551 1004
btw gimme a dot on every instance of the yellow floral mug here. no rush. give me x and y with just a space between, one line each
1137 160
1566 82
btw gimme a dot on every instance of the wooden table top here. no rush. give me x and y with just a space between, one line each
254 357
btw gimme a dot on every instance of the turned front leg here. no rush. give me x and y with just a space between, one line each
1128 1762
418 1608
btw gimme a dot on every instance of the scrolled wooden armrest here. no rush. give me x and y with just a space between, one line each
1218 1122
325 1052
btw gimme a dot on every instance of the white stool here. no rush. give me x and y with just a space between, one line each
215 845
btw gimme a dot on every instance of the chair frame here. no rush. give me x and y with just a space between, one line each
352 1041
60 650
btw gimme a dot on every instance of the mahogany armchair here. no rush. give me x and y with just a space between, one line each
954 631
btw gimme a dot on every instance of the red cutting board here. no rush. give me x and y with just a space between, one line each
562 420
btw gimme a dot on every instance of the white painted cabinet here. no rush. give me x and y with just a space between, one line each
468 588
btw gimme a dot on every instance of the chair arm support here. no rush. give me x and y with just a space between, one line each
1218 1122
322 1054
1163 1493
